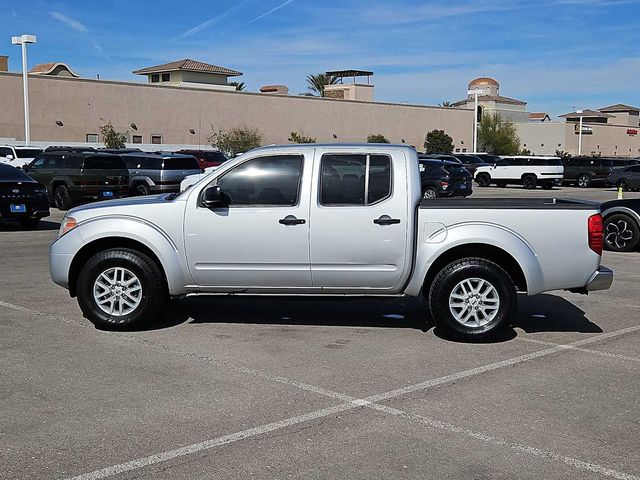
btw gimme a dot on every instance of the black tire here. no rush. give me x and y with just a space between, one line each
624 184
62 198
547 186
142 189
29 222
430 192
471 269
621 233
529 182
153 290
483 180
583 181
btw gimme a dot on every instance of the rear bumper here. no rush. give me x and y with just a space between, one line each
602 279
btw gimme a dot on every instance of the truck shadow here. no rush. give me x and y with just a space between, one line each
542 313
14 226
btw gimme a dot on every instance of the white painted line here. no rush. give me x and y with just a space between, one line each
518 447
585 350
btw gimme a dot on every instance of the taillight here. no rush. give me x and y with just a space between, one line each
596 233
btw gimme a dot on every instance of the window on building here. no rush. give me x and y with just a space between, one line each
155 78
355 179
92 138
166 77
273 180
136 138
464 150
156 139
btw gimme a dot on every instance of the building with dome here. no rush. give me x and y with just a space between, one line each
490 101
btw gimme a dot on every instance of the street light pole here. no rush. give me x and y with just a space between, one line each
475 118
580 133
22 40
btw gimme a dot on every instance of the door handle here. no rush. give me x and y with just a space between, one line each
292 220
386 220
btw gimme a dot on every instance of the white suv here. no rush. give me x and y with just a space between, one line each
526 171
18 156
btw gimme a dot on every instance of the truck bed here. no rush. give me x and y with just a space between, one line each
509 203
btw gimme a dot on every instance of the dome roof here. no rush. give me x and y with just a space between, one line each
483 82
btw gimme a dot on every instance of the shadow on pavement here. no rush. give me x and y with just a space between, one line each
542 313
14 226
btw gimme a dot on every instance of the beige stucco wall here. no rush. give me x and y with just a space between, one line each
82 105
607 140
542 138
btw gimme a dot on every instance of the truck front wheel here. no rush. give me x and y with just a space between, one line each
473 297
119 288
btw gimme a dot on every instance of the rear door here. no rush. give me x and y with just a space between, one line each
359 221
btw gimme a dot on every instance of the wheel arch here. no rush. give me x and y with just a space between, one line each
624 210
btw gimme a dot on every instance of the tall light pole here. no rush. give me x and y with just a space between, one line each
475 117
23 40
580 133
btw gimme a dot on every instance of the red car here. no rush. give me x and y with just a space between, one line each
206 158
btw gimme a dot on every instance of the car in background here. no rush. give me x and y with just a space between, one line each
21 197
158 172
528 171
440 178
627 178
206 158
471 162
621 225
72 176
440 156
588 171
118 151
488 157
18 156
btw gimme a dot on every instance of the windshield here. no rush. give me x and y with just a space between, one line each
28 152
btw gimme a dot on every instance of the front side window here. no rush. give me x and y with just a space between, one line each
354 179
38 162
273 181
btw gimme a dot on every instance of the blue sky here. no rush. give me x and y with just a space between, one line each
555 54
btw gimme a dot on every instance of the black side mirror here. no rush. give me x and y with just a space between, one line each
213 197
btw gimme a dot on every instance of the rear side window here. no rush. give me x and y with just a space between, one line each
273 181
354 179
4 151
104 163
28 152
545 162
181 163
214 157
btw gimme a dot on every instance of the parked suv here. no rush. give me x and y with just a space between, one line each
72 176
440 178
471 162
158 172
206 158
523 170
626 178
587 171
18 156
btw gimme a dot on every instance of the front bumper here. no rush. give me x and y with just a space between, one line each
602 279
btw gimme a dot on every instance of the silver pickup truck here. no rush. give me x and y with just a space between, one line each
326 220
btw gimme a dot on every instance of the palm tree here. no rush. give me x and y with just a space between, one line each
240 86
316 83
446 103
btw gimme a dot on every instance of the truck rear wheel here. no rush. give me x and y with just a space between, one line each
473 297
120 287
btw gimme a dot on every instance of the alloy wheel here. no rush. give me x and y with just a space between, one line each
117 291
474 302
618 234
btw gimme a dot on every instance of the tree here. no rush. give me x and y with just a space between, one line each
525 152
111 138
437 141
562 154
377 138
296 137
316 83
497 136
446 103
240 86
236 140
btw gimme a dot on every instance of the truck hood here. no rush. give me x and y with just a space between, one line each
122 205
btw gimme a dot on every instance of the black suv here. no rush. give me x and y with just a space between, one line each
71 176
441 178
587 171
471 162
21 197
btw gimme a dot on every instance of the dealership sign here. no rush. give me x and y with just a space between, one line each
586 130
632 131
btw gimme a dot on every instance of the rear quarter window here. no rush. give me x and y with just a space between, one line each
184 163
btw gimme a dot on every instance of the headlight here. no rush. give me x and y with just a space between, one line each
68 224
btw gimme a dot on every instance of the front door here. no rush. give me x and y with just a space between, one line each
359 222
260 242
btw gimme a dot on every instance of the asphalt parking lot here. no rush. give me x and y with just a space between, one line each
296 388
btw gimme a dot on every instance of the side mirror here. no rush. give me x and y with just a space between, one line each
213 197
9 157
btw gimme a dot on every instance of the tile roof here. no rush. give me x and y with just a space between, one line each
619 107
188 65
489 98
586 113
45 68
538 115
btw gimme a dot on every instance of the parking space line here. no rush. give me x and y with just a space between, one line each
585 350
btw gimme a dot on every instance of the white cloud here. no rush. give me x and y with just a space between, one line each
70 22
